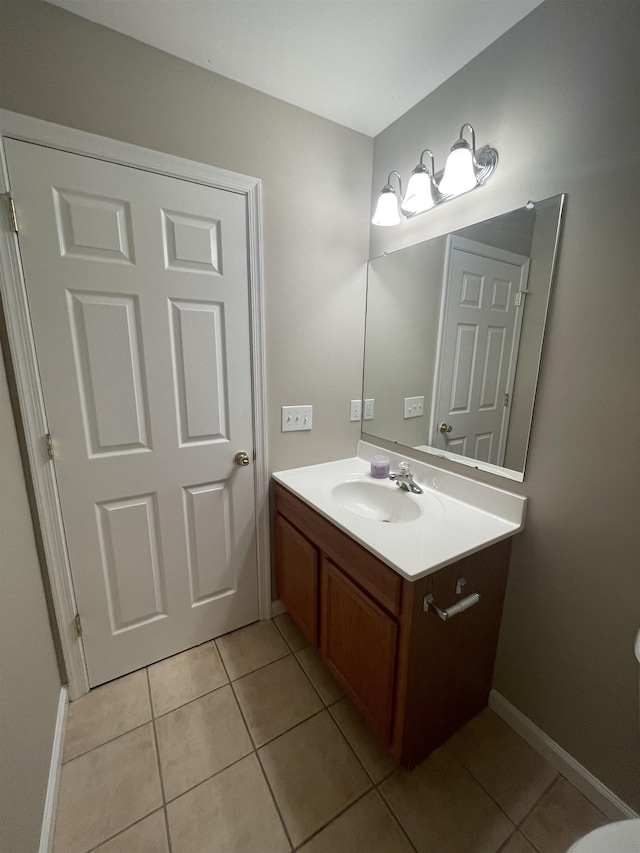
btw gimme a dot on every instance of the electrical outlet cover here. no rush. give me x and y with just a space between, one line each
368 410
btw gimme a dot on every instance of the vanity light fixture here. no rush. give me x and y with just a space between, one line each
465 170
460 168
420 189
388 207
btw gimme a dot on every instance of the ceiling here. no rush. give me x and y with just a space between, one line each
361 63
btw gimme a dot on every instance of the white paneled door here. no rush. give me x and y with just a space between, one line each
479 342
137 286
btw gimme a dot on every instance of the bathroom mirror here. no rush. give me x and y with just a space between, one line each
453 340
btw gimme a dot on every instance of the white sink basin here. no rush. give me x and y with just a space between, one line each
455 516
376 501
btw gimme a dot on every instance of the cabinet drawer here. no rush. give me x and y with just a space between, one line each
380 581
359 647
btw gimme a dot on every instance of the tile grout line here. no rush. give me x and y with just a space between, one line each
254 748
322 699
208 778
370 787
191 701
262 666
375 785
348 742
334 818
503 847
283 636
481 786
306 675
539 800
517 825
531 811
111 739
121 831
393 815
237 760
285 829
325 707
255 752
162 790
153 716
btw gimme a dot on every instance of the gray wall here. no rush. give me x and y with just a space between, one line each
316 188
557 95
403 312
29 679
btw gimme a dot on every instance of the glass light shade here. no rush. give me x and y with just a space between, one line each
419 196
387 212
459 174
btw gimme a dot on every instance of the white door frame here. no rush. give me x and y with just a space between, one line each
23 354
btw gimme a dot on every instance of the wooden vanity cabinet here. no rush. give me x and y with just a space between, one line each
414 678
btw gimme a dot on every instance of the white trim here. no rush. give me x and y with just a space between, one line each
29 389
28 129
258 362
30 396
581 778
55 769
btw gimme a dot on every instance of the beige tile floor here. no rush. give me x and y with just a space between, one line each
247 745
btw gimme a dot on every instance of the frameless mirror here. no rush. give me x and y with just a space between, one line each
453 339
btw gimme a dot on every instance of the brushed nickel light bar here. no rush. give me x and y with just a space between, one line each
466 169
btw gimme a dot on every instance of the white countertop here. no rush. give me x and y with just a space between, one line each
459 515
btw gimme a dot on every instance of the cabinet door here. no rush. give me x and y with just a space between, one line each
297 577
359 647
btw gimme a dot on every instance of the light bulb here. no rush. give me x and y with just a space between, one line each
459 173
419 196
387 212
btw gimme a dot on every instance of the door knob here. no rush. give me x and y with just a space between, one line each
241 458
445 428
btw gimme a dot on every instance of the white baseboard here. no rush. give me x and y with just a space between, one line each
55 769
609 803
277 607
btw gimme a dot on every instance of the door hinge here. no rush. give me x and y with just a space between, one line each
48 441
13 219
78 625
506 400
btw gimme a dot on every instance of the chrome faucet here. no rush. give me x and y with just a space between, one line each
404 479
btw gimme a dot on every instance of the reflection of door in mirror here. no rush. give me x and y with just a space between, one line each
478 350
404 336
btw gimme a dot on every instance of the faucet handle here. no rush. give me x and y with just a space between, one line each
403 467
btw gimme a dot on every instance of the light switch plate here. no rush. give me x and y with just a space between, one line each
296 418
413 407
